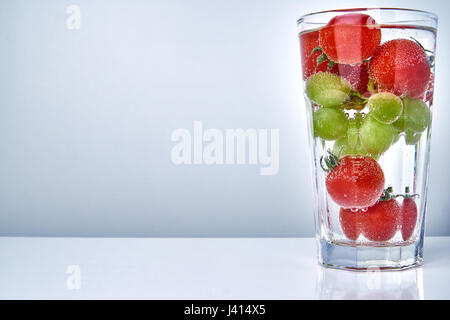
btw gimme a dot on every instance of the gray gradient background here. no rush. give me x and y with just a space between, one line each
86 117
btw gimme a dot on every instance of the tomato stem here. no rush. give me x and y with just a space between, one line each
388 194
316 49
322 58
360 96
329 162
408 194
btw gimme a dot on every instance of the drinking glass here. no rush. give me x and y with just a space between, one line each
368 77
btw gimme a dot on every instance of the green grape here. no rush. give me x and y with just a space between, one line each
412 138
416 116
400 124
352 135
376 137
343 147
385 107
330 124
359 118
396 137
332 98
353 129
328 90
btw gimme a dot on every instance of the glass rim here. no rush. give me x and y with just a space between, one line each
429 14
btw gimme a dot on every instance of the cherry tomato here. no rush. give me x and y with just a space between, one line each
380 222
356 182
401 67
350 38
350 221
408 218
357 75
308 42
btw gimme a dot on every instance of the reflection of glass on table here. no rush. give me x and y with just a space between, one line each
335 284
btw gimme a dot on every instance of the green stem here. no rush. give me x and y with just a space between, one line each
388 194
360 96
331 161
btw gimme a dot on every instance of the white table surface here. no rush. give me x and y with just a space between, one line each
36 268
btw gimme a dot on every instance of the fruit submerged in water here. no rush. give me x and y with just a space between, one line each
385 107
350 38
328 90
330 124
376 137
401 66
354 182
416 116
308 42
350 221
379 222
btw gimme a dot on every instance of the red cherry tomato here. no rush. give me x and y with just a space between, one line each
308 42
357 75
401 66
350 223
380 222
357 182
350 38
408 218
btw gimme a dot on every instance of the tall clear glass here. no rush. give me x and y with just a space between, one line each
368 79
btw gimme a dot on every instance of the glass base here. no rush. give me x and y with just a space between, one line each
369 258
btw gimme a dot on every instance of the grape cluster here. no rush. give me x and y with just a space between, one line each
375 123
